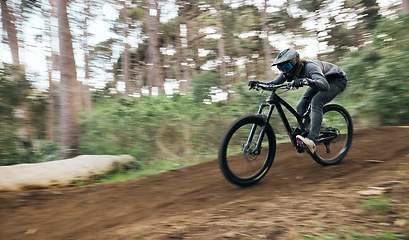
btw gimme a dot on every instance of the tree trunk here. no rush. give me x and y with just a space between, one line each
85 41
87 104
178 46
50 110
8 21
186 54
266 42
68 83
9 26
86 96
155 72
405 6
125 54
126 65
51 64
220 45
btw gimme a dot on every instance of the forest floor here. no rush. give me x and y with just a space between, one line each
366 196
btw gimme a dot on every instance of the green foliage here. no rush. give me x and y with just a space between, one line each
38 116
341 38
163 128
378 76
155 127
136 14
323 237
310 5
378 207
378 203
350 234
370 13
13 92
202 84
143 170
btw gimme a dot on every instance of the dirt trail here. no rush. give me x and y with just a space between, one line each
298 197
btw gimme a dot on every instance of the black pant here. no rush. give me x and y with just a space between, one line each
318 99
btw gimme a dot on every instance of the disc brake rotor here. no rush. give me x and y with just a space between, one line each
248 152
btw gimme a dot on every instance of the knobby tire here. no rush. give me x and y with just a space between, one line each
239 167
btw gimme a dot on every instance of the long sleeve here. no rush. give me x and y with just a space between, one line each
318 82
278 80
315 77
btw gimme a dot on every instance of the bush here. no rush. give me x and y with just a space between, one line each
14 89
378 76
202 85
153 127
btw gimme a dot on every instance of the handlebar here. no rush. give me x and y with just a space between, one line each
270 87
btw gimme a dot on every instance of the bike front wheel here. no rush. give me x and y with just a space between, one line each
335 137
242 159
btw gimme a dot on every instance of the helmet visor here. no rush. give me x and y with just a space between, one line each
285 67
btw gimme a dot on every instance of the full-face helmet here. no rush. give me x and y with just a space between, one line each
286 60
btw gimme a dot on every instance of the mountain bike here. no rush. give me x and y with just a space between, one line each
248 147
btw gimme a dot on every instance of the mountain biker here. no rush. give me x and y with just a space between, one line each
325 81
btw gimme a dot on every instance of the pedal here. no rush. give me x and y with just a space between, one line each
301 147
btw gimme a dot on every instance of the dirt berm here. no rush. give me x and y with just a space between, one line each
367 194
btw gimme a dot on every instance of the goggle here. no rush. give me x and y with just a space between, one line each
286 67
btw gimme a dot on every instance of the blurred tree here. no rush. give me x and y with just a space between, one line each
370 13
86 36
242 40
178 48
186 14
405 6
8 21
12 21
220 46
167 41
202 84
266 42
68 83
368 16
378 75
341 38
101 57
84 92
14 89
125 55
51 65
154 64
314 8
131 18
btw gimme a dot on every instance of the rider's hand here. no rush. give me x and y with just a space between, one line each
298 83
252 84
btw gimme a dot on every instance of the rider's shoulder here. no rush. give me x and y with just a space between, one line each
313 62
319 63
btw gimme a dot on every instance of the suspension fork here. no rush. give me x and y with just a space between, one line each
266 119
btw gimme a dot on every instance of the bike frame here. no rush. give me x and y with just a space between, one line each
275 101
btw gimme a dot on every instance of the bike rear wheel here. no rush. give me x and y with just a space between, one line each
239 160
335 137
